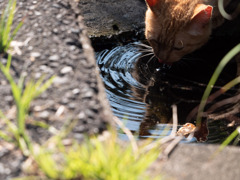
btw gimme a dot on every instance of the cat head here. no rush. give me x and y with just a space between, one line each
175 28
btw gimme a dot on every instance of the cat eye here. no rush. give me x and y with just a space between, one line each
178 45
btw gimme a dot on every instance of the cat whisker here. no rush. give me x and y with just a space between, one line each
144 45
145 50
151 59
146 55
148 69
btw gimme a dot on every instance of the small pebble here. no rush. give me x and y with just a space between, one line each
54 58
88 94
66 70
59 16
35 54
60 111
55 30
76 91
66 22
45 68
43 114
65 100
60 80
81 115
37 13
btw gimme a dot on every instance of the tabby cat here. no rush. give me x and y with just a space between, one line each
175 28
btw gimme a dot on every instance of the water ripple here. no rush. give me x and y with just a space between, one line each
141 93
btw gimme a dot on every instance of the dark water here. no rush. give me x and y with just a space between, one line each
141 91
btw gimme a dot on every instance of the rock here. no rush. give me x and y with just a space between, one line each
105 18
197 162
113 21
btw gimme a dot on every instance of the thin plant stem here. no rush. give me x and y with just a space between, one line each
230 138
224 13
213 80
226 142
175 120
128 133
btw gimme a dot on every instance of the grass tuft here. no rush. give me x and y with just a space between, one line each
22 97
6 32
95 159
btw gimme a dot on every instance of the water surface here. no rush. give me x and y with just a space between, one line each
141 91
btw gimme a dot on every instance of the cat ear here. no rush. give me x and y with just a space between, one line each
152 4
200 19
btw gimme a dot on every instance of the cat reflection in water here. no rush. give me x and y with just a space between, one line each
175 28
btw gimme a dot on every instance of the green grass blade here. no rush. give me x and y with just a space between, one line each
47 164
6 22
15 90
230 138
9 61
4 17
231 84
5 136
40 124
1 31
25 100
2 28
13 34
27 94
236 141
44 87
7 29
213 80
11 126
23 145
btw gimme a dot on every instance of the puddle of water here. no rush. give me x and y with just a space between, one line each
141 91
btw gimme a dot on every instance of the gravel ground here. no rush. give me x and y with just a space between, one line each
53 41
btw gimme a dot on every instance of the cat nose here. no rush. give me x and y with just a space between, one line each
163 62
160 60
